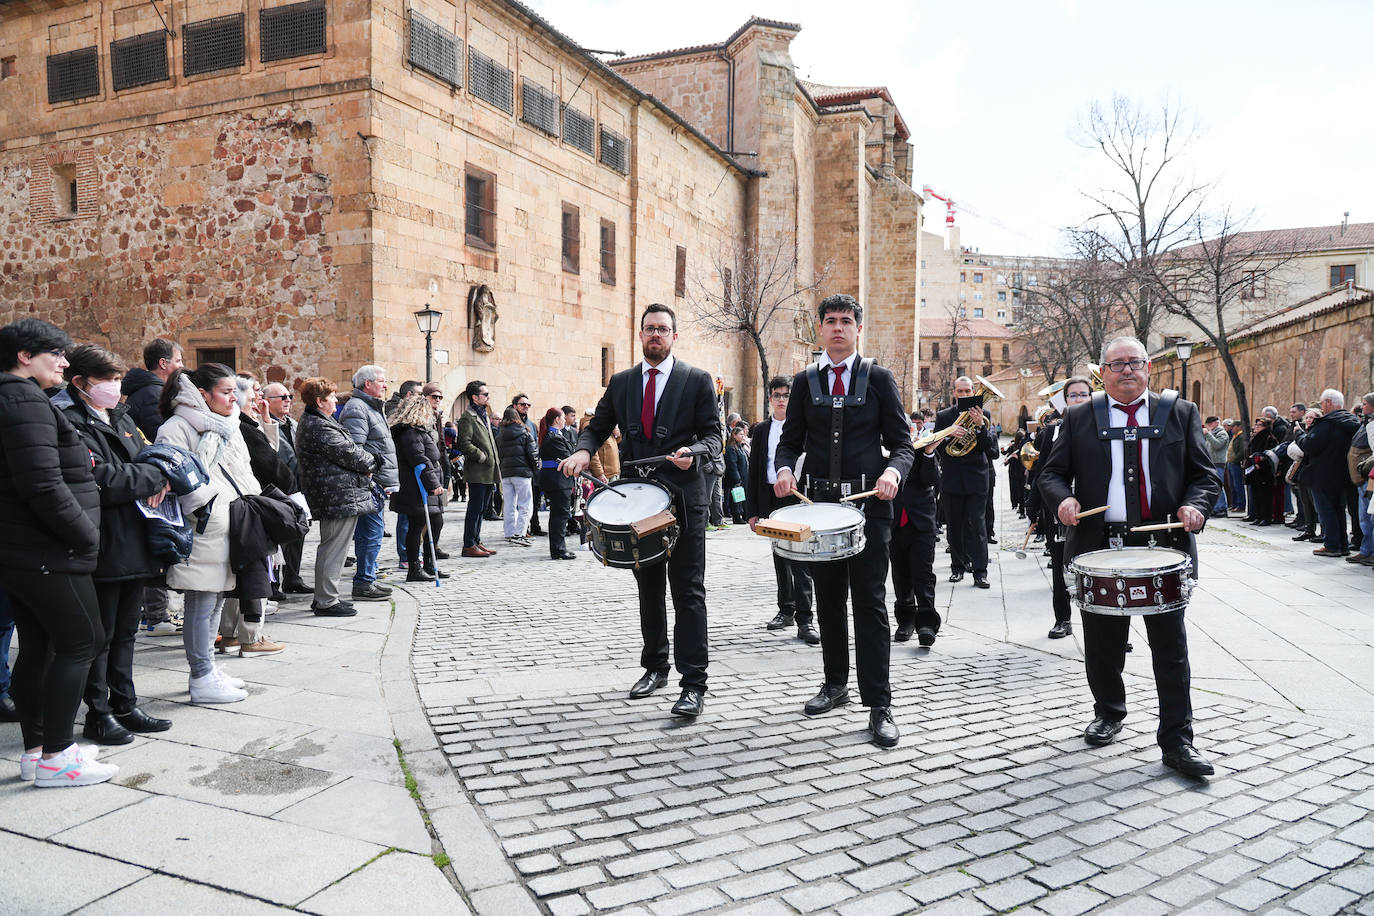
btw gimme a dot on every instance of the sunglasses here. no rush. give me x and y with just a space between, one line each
281 397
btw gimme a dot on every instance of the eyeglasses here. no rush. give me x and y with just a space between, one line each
59 353
1077 396
780 396
523 404
657 331
1119 365
281 397
436 397
483 394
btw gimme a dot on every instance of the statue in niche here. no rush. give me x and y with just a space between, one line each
482 318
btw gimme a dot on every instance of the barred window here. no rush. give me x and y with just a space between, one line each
294 30
139 61
74 75
435 50
579 131
680 273
480 188
608 252
572 239
490 81
613 150
212 44
539 108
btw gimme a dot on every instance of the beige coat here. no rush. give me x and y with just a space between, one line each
193 427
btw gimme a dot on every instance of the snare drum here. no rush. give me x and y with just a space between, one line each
633 526
837 532
1131 581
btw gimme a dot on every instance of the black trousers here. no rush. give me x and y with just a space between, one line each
57 615
795 593
560 510
478 503
990 504
415 538
862 580
291 560
110 683
684 574
1016 484
1104 648
913 568
538 495
965 516
1059 591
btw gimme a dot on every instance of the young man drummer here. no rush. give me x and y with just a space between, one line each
843 412
665 407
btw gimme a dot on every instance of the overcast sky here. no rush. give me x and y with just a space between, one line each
991 91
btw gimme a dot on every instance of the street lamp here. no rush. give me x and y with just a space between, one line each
1185 352
428 319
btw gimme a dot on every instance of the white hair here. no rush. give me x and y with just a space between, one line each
1334 396
1272 412
964 378
243 391
367 374
1116 340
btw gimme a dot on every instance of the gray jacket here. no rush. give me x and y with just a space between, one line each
363 418
1217 441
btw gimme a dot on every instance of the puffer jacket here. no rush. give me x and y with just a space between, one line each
515 445
414 447
336 472
141 390
114 444
363 418
49 502
216 440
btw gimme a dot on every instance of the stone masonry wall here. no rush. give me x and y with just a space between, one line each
890 324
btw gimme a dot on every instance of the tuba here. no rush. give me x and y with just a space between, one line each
959 449
1029 455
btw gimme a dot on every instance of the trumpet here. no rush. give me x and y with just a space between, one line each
964 421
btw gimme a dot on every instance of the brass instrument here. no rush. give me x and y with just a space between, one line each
1052 389
1029 455
1095 372
965 421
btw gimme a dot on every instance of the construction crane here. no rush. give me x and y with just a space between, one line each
949 213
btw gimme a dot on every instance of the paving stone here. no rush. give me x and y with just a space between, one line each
624 893
685 904
757 884
1182 890
1071 901
1064 873
1252 894
1005 895
1293 873
812 897
1322 901
561 882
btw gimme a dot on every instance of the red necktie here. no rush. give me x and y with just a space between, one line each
1129 410
646 413
838 388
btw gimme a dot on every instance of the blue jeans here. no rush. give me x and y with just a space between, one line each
367 544
6 632
1237 478
1221 497
479 497
1366 528
1331 513
402 526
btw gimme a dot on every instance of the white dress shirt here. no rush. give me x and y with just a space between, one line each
1116 486
845 370
774 434
664 368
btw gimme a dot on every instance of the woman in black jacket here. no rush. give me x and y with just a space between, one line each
553 448
91 403
411 423
736 472
519 464
49 540
1260 472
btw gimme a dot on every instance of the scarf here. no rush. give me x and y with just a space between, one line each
215 430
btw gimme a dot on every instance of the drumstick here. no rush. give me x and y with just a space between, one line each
798 493
1098 511
638 461
1161 527
596 482
853 496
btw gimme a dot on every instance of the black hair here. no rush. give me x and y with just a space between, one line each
409 387
156 350
473 389
205 377
658 307
90 361
29 335
515 400
840 302
568 408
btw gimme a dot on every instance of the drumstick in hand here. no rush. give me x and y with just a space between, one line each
853 496
1090 512
798 493
1162 527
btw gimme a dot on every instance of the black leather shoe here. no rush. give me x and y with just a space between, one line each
826 700
690 704
440 554
297 587
142 723
783 621
808 633
957 576
1101 732
105 730
1061 629
1187 761
8 712
418 575
904 631
881 729
340 609
435 574
981 581
651 681
370 592
565 555
926 636
991 539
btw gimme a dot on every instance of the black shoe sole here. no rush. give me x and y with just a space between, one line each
881 742
1195 773
835 704
926 639
1099 741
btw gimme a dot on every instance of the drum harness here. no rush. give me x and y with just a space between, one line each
1130 435
833 487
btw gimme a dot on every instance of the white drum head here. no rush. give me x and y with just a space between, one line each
638 501
822 516
1127 561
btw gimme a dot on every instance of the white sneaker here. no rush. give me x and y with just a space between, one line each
236 683
28 763
210 689
72 768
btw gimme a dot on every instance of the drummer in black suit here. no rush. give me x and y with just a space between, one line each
1142 455
665 407
844 411
913 550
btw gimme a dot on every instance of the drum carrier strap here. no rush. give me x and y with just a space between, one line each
854 397
1159 418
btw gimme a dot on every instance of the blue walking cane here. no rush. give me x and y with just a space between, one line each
425 538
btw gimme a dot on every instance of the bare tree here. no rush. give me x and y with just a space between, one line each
896 358
1066 318
1150 208
947 363
746 290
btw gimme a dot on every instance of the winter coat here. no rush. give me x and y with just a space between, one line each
1218 441
114 445
258 524
49 502
142 390
1325 447
736 467
519 457
363 418
475 441
1261 443
286 448
414 447
1238 449
336 472
268 467
555 447
605 464
219 444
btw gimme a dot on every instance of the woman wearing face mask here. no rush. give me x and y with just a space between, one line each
91 402
203 417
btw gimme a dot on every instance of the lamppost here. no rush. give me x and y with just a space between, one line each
1185 352
428 319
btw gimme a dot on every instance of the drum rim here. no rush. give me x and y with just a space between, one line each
799 509
625 484
1184 563
1130 610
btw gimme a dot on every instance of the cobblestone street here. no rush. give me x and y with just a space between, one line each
991 802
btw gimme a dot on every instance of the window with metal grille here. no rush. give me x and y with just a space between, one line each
435 50
294 30
490 81
579 131
925 377
935 350
572 239
1340 273
212 44
539 108
680 272
613 150
480 190
139 61
608 252
74 75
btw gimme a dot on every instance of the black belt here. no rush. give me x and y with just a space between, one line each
830 491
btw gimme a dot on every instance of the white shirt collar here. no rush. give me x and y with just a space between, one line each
1143 400
664 368
847 362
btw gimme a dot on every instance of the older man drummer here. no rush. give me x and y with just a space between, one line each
1143 455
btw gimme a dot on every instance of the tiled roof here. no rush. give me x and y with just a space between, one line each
1311 238
972 327
1315 305
830 97
701 49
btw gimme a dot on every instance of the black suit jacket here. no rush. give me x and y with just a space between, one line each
686 417
879 422
1080 465
759 499
919 487
967 475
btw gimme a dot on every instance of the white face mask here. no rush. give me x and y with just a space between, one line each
104 394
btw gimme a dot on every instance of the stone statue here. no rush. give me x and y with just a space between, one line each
482 318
